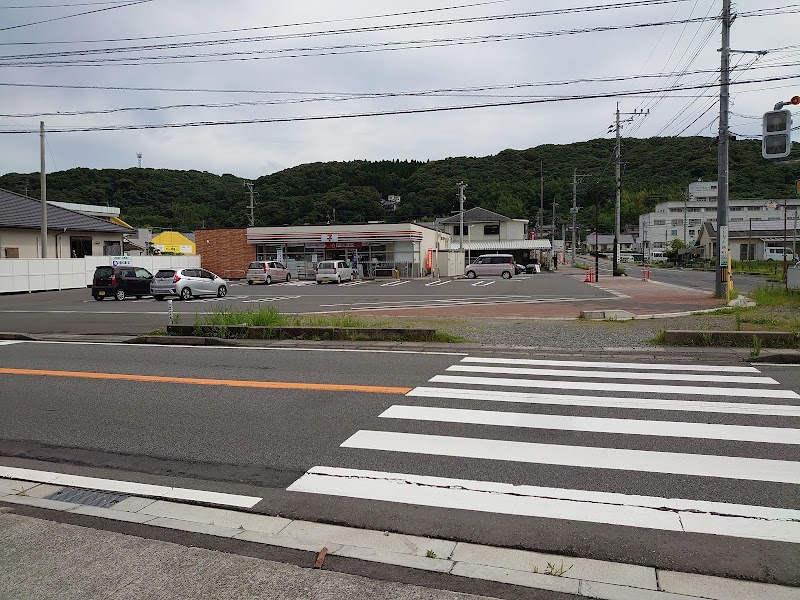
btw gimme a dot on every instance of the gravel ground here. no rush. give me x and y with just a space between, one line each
572 334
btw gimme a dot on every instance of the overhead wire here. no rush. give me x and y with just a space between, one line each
436 109
549 12
88 12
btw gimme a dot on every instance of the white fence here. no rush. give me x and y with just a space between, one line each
37 274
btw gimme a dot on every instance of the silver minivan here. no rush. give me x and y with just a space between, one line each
491 264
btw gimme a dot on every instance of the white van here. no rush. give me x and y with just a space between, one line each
776 253
657 256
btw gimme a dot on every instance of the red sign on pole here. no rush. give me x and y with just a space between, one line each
429 260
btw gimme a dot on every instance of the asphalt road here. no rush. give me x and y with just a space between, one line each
372 456
75 311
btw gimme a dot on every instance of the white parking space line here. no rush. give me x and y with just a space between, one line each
593 386
129 487
435 283
736 408
611 365
483 283
269 299
395 283
752 379
680 429
9 342
702 465
717 518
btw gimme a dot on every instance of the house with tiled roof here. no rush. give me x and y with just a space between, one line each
69 233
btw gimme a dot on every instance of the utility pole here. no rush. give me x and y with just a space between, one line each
461 187
618 172
722 287
252 216
553 236
43 184
541 200
574 210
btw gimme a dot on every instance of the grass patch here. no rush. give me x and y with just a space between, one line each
775 295
261 317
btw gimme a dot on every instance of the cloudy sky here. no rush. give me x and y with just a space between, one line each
276 84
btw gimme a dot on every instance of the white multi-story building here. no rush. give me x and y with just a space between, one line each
683 219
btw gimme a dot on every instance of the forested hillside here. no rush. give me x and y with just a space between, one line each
654 169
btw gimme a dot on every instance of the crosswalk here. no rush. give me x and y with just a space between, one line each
692 448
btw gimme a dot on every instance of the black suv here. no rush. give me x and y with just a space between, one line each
121 281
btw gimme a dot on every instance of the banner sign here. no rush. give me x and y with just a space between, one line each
429 259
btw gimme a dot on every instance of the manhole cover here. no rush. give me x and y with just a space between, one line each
87 497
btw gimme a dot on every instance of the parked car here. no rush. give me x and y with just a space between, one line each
186 283
267 271
335 271
519 269
491 264
120 282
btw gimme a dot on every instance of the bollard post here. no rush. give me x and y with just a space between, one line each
169 311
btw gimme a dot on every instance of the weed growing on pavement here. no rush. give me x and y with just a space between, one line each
660 337
553 569
556 570
755 346
430 554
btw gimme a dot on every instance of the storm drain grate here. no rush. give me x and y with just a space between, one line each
87 497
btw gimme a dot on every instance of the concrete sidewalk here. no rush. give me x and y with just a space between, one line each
139 547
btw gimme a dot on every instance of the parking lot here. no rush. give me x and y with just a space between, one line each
75 311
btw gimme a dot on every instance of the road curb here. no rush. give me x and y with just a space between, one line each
534 570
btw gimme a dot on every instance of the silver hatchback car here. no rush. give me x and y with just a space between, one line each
267 271
186 283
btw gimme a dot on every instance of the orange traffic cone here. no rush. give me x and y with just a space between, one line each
588 278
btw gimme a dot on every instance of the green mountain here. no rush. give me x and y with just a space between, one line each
653 170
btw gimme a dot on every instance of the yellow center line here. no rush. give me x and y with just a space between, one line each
280 385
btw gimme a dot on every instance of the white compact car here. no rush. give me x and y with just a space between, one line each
333 271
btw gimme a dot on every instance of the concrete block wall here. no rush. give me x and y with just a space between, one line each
225 251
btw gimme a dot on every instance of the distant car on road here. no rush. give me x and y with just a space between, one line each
267 271
186 283
120 282
334 271
491 264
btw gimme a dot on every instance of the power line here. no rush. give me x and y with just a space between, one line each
367 114
634 3
72 5
88 12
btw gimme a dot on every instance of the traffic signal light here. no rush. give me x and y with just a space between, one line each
776 130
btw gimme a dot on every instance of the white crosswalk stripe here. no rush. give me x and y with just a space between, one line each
752 451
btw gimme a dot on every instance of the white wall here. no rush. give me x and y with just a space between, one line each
36 274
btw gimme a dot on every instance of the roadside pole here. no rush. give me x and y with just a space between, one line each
723 278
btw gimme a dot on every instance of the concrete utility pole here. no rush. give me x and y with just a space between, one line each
461 187
252 216
540 225
43 184
618 172
722 271
553 236
574 209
